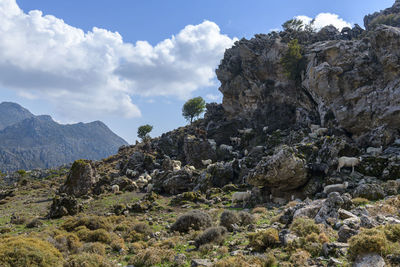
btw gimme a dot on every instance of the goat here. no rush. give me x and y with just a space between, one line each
176 165
115 188
235 140
149 188
320 131
265 129
206 162
314 127
348 162
336 188
246 131
241 197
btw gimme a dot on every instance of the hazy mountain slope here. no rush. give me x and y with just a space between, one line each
11 113
40 142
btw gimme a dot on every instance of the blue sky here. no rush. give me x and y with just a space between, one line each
74 73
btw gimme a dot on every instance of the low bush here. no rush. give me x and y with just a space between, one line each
94 248
195 220
228 219
358 201
368 241
67 243
303 227
262 240
90 222
211 235
153 257
28 251
88 260
300 258
246 218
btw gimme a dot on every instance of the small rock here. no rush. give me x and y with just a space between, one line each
369 260
201 263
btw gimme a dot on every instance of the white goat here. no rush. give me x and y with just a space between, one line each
320 131
374 150
190 167
149 188
235 140
131 173
206 162
314 127
336 188
348 162
265 129
176 165
115 188
212 143
226 147
241 197
246 131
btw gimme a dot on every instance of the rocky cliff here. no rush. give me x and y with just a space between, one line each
39 142
350 82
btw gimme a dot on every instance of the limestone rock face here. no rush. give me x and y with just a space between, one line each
80 179
196 150
255 86
283 171
350 82
356 84
389 16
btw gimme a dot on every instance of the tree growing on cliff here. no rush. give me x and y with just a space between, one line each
193 108
143 132
293 61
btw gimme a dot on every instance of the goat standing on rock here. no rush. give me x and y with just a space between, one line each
241 196
348 162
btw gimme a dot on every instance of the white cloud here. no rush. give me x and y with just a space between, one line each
325 19
95 73
213 97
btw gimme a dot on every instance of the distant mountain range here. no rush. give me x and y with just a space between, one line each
28 141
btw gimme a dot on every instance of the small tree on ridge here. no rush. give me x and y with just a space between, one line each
193 108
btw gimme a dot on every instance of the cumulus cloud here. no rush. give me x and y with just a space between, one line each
95 73
213 97
325 19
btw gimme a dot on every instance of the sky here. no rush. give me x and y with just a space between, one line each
129 63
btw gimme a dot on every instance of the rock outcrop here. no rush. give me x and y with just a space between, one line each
81 179
350 82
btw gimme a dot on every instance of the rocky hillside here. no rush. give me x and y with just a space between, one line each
299 166
29 141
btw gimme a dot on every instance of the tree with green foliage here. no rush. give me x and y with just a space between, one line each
193 108
293 61
143 132
294 25
298 25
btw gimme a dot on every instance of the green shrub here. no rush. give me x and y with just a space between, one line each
153 257
67 243
368 241
90 222
390 19
303 227
88 260
392 232
228 219
211 235
262 240
28 251
195 220
246 218
358 201
293 62
94 248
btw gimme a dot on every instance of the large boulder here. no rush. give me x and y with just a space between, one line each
369 191
285 170
81 179
64 205
197 149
